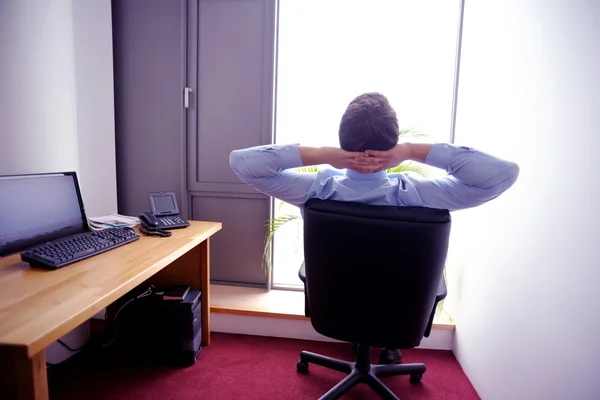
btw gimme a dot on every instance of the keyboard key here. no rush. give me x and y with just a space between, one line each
83 253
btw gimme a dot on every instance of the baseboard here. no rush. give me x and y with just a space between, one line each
440 339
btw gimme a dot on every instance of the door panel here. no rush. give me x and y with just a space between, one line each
230 70
235 56
237 250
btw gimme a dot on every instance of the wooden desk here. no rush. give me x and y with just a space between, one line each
38 307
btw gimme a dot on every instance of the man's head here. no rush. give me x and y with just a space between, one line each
369 123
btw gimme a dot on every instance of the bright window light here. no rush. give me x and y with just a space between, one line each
330 51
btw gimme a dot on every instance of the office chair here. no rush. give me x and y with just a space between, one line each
373 276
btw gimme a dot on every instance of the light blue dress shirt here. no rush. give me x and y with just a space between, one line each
473 178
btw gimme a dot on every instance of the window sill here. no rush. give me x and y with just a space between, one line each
285 304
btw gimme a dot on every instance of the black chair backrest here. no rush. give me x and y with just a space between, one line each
372 272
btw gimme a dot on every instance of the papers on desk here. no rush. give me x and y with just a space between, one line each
112 221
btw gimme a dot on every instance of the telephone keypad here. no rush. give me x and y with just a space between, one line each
171 221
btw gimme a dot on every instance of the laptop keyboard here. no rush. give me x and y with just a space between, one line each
59 253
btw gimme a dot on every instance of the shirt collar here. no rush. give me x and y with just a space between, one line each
360 176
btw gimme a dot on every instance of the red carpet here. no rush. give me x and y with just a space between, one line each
249 368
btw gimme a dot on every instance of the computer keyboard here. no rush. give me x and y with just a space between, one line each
61 252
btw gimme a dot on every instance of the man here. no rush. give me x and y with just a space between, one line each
368 136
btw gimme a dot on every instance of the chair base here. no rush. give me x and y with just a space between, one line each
360 371
387 356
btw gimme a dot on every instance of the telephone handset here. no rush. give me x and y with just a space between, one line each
149 220
150 225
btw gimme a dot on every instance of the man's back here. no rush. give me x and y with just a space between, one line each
378 188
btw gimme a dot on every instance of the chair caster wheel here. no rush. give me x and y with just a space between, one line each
302 366
416 378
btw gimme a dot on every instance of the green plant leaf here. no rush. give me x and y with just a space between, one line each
409 166
412 133
311 168
272 225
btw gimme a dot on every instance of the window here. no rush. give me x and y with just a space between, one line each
330 51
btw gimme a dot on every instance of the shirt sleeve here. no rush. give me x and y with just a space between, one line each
270 169
474 178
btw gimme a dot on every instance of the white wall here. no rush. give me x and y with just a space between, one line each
56 94
95 105
38 106
528 268
57 103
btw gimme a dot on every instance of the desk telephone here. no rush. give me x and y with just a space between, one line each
164 215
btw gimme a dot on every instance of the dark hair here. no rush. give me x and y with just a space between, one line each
369 123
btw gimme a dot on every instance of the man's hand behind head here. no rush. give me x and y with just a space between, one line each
366 162
342 159
337 158
375 160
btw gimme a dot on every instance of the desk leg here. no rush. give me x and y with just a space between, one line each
24 378
204 262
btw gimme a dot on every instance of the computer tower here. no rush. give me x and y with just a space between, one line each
151 329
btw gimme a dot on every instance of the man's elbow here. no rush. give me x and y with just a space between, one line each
510 175
505 179
236 162
234 159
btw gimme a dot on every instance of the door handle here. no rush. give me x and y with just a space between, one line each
186 97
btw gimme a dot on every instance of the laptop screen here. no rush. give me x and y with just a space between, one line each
35 209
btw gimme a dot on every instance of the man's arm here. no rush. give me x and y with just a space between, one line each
474 177
270 168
